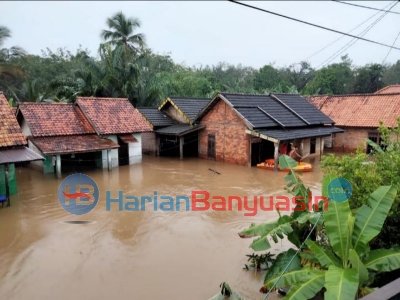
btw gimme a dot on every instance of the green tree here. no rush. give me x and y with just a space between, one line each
121 33
391 74
368 79
334 79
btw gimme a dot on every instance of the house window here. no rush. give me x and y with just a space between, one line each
313 143
376 138
211 146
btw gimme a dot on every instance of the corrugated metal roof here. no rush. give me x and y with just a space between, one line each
15 155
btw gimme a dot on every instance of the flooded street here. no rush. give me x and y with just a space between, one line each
175 255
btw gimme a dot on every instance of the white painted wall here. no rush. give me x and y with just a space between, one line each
27 132
135 150
114 153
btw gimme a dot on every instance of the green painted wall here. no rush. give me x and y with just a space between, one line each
12 177
2 180
48 165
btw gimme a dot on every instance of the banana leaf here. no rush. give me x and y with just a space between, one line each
370 219
341 283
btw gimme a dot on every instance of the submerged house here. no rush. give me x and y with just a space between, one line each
63 135
359 116
247 129
13 150
92 132
116 119
175 127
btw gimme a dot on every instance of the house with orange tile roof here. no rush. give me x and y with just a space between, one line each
61 132
12 149
359 115
116 119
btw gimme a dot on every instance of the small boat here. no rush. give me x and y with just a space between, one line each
301 166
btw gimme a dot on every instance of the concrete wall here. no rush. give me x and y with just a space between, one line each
173 113
114 154
149 143
231 141
135 150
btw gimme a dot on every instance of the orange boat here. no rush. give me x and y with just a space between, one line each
270 163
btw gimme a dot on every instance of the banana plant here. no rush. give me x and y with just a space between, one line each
347 267
294 226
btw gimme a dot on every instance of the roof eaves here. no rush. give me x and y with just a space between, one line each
180 111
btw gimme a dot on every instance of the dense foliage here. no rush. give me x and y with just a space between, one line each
125 67
343 267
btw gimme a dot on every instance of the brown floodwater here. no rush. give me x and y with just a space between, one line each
149 254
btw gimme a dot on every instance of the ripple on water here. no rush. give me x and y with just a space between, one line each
123 251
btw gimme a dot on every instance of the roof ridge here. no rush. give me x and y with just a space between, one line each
353 95
194 98
101 98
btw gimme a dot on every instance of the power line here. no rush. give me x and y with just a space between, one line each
352 4
353 41
391 48
312 55
311 24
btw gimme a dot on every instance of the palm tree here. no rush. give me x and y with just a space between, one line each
121 33
7 70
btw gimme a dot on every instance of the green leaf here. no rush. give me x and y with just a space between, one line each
357 264
308 288
325 183
286 162
383 260
290 278
369 220
336 224
257 230
375 146
340 283
324 256
275 230
282 260
260 244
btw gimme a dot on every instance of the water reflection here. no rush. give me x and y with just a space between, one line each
134 255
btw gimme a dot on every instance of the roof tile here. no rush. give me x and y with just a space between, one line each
10 132
112 115
73 144
390 89
50 119
365 110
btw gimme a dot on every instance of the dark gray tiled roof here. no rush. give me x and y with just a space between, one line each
179 129
156 117
304 108
299 133
277 110
190 106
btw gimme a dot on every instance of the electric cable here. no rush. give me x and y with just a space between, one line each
358 5
391 48
312 55
311 24
353 41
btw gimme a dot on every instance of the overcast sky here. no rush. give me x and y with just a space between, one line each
208 32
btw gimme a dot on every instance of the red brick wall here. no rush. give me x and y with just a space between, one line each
231 142
351 139
149 143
